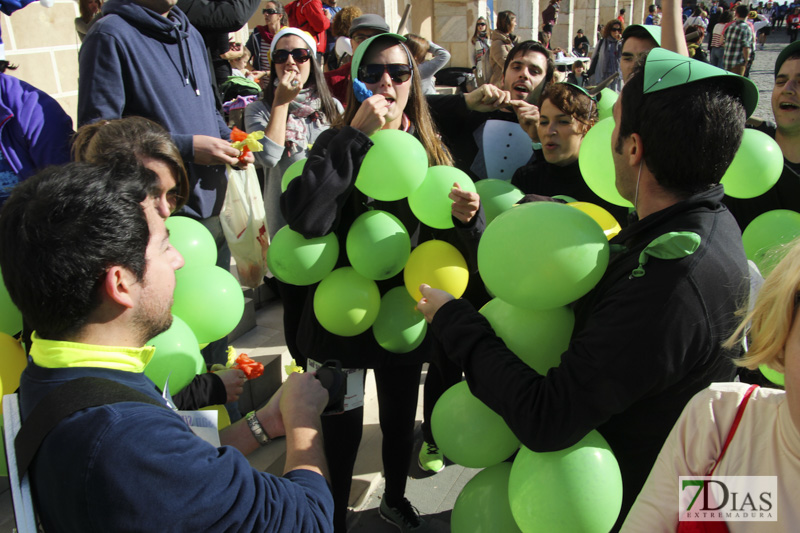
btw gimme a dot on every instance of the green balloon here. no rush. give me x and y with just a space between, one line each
773 375
295 260
192 240
209 299
294 170
399 327
468 432
10 317
378 245
755 168
346 303
597 164
394 166
177 357
482 506
497 196
542 255
430 203
575 489
605 103
537 337
767 237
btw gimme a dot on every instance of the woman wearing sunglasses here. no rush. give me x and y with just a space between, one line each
566 113
386 94
295 108
480 51
261 38
607 55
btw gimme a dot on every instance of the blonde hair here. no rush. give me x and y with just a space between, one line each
772 316
111 140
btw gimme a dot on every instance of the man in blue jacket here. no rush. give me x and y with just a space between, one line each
87 260
144 58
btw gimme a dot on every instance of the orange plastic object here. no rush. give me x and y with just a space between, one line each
252 369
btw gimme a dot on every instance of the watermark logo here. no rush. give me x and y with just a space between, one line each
728 498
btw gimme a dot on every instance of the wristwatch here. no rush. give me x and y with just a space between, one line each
257 429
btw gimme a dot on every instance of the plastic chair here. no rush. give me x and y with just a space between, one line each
20 488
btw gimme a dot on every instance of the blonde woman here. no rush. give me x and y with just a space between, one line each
765 441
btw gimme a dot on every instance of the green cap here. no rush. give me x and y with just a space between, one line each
358 56
651 29
790 50
664 70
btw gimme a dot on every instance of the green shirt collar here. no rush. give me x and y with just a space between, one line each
62 354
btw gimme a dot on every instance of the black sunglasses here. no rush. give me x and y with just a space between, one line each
616 28
561 68
300 55
481 24
373 73
269 11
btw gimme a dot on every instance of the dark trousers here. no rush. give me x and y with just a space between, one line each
442 374
397 389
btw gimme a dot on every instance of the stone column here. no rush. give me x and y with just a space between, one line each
450 28
608 10
639 11
586 17
565 27
529 14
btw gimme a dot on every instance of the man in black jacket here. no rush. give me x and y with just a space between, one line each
647 337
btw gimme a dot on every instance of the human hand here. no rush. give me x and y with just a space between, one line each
371 116
303 396
432 300
528 117
289 86
487 98
213 151
234 380
465 203
244 160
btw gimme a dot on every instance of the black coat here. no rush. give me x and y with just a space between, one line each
641 347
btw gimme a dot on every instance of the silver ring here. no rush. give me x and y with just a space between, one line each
295 83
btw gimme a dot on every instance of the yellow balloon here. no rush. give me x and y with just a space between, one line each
223 418
438 264
606 220
12 363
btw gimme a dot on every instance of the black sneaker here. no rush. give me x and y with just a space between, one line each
404 515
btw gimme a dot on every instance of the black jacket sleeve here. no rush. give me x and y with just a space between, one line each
204 390
313 201
624 353
218 15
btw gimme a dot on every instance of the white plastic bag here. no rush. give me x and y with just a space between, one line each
245 225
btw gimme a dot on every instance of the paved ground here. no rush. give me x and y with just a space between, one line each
434 495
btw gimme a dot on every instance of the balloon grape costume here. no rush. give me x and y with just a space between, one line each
362 242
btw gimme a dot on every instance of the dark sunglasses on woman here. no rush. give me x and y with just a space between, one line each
373 73
300 55
269 11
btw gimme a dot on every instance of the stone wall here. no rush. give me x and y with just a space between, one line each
43 42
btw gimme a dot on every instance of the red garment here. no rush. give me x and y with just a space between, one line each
338 81
309 15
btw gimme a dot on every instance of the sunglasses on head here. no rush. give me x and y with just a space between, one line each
269 11
373 73
300 55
